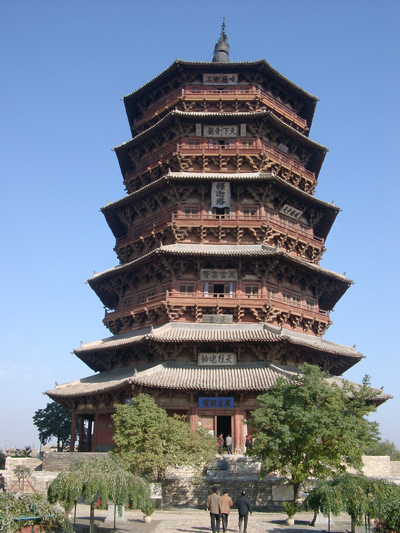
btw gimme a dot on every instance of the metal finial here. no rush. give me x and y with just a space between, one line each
221 50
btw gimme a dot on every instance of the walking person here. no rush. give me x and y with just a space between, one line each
244 507
226 504
2 483
229 444
214 506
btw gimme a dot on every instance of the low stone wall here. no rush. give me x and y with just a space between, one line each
193 492
184 488
377 466
37 483
61 461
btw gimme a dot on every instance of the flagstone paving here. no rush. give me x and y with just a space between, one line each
198 521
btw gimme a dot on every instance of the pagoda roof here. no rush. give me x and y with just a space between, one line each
221 117
218 250
226 118
114 223
259 66
244 377
178 332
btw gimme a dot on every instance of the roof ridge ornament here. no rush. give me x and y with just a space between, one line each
221 50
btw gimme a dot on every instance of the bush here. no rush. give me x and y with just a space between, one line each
13 506
290 508
149 507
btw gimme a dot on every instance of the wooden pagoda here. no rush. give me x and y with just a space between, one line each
219 288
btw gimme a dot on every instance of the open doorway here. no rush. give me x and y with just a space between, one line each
224 426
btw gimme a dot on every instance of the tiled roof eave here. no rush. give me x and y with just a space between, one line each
219 117
218 250
206 333
221 66
204 176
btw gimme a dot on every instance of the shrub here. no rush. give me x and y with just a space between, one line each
290 508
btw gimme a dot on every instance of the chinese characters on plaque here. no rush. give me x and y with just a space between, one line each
215 402
220 131
221 194
218 274
220 79
216 359
290 211
218 319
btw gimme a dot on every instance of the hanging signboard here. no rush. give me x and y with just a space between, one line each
218 274
220 131
220 79
215 402
216 359
218 319
291 212
221 194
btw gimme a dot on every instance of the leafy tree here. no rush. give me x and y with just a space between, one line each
12 508
383 448
54 421
2 460
148 441
98 477
311 428
358 496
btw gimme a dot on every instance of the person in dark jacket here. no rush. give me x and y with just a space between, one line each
244 507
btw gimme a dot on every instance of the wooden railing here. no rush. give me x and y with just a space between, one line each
228 93
206 299
231 219
203 148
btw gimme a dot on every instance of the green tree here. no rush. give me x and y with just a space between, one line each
383 448
148 441
98 477
54 421
309 427
12 508
360 497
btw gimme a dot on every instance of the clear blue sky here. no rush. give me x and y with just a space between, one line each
66 64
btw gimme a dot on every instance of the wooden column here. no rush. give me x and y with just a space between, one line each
89 436
193 419
81 433
237 442
94 436
73 432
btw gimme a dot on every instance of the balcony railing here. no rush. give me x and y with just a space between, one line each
296 229
232 299
236 147
228 93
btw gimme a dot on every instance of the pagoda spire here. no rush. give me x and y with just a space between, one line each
221 50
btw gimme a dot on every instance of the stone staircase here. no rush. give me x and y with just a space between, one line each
233 473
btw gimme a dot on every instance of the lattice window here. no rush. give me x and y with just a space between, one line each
126 302
310 304
251 290
140 298
186 289
191 211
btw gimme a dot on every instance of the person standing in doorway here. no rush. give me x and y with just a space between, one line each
226 504
221 443
214 506
244 507
229 444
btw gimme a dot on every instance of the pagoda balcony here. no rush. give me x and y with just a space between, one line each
229 94
237 146
295 229
203 300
